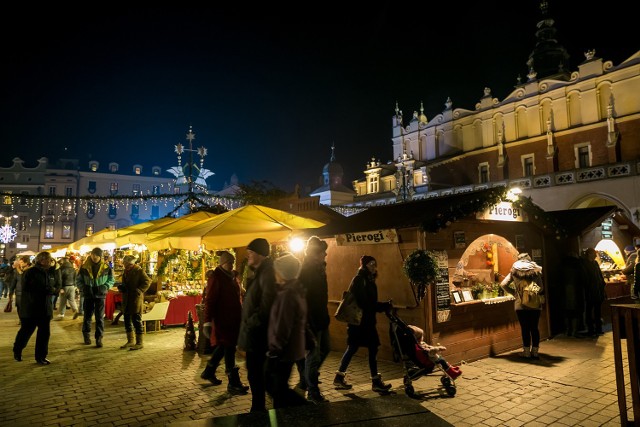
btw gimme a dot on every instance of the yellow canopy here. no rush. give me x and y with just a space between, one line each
235 228
96 240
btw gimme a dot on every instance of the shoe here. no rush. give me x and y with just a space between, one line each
378 385
454 372
302 386
60 317
209 374
340 383
17 356
99 342
44 361
316 398
75 315
87 339
526 353
534 353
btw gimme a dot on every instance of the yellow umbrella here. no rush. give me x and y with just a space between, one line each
96 240
235 228
170 227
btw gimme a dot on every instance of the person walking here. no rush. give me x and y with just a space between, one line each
256 309
523 272
287 332
363 286
594 293
95 278
135 283
313 278
629 269
221 323
573 277
68 275
36 309
15 291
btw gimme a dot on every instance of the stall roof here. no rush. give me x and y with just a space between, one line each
414 213
579 221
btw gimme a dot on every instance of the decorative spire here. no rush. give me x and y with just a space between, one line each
333 152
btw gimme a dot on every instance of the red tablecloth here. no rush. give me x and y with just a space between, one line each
179 309
113 297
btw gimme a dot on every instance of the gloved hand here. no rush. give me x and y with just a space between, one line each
206 329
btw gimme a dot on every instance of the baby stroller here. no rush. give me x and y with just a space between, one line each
405 347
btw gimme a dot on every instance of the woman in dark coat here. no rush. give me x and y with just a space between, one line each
36 309
223 311
135 283
364 287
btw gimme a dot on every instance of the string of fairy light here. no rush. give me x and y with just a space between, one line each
64 207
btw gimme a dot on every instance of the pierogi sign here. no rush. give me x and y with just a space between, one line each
503 211
367 238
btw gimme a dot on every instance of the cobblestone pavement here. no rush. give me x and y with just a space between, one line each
573 383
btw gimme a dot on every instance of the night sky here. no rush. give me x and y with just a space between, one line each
267 90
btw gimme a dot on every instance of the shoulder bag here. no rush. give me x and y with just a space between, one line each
531 297
348 310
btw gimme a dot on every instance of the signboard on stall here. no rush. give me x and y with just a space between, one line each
367 238
503 211
442 291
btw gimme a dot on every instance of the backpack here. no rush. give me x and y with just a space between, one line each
531 297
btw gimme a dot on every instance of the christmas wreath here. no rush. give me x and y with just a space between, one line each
421 268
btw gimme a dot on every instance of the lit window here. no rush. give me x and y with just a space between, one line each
137 169
66 230
91 210
93 166
48 230
136 189
155 171
113 188
113 167
88 229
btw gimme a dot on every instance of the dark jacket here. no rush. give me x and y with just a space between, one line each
223 307
68 274
37 289
287 323
256 308
135 283
364 287
595 285
95 287
313 279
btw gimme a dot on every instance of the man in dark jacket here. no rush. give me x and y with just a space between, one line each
135 283
261 292
36 309
594 293
313 278
95 278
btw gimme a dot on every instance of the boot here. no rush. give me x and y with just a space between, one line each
378 385
526 353
98 342
453 371
235 385
138 344
340 382
209 373
534 353
129 342
87 338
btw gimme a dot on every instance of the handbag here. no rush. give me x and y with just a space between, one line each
531 297
348 310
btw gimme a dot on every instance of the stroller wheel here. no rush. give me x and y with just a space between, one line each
409 390
451 390
406 380
446 381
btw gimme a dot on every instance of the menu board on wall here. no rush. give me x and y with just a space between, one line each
442 292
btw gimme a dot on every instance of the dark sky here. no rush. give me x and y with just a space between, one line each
267 89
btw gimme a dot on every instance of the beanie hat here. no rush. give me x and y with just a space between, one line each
224 257
259 246
315 245
96 251
366 259
287 266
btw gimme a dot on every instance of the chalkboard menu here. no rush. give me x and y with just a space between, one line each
442 293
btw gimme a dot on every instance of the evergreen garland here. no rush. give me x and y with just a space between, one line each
421 268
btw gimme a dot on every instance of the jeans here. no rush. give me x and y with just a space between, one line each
255 362
315 358
133 322
220 351
353 349
93 306
528 320
3 291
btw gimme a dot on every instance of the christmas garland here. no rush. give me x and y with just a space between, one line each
162 268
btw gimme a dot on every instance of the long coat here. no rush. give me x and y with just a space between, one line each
223 307
256 309
313 279
364 287
37 289
135 283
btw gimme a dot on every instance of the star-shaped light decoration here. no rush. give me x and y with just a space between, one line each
179 149
7 233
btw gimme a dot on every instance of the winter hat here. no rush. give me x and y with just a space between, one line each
225 257
366 259
287 266
129 259
259 246
96 251
315 245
